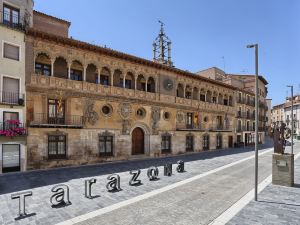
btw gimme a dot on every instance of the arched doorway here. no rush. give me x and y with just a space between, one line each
137 141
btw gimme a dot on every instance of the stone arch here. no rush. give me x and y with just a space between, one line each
43 64
202 95
76 70
196 93
60 67
208 96
147 133
105 76
180 90
151 85
220 99
188 92
129 80
92 73
214 97
141 83
118 78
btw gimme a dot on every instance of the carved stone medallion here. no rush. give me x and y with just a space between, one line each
125 110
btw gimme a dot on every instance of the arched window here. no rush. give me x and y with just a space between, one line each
105 76
129 81
202 95
151 85
118 78
180 91
92 74
61 68
76 70
208 96
188 92
196 93
220 99
141 83
43 64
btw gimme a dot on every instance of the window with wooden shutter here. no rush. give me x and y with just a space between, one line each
11 51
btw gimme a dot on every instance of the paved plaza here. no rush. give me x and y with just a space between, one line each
212 183
275 205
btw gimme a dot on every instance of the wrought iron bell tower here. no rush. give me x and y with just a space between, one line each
162 48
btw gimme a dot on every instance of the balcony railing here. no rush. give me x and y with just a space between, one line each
13 21
12 129
12 98
194 127
220 127
43 120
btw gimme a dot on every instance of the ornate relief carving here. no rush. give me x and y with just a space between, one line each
126 124
125 110
155 116
180 117
89 114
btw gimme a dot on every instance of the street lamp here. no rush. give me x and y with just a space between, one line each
256 118
292 115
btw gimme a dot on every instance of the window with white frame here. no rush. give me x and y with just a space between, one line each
11 51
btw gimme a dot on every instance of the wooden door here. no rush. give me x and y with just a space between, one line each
137 141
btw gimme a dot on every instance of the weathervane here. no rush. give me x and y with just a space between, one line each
162 47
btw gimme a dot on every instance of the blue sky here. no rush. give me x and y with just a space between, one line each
202 32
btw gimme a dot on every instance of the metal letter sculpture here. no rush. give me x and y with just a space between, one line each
280 134
61 197
180 167
168 170
88 188
152 173
21 196
114 183
134 180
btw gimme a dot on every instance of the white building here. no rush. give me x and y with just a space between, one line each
15 16
296 115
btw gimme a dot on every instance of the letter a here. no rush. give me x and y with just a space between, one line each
61 196
114 183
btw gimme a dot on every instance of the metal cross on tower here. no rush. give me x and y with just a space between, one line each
162 47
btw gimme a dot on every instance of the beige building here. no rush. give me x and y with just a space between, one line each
245 102
277 114
15 17
89 104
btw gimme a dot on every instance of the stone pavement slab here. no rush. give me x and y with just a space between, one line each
276 205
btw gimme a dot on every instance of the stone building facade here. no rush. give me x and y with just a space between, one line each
15 18
89 104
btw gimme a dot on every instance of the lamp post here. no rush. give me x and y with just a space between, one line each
292 115
256 119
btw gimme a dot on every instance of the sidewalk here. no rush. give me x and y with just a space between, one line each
276 205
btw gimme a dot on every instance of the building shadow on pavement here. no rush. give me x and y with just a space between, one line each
33 179
278 203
